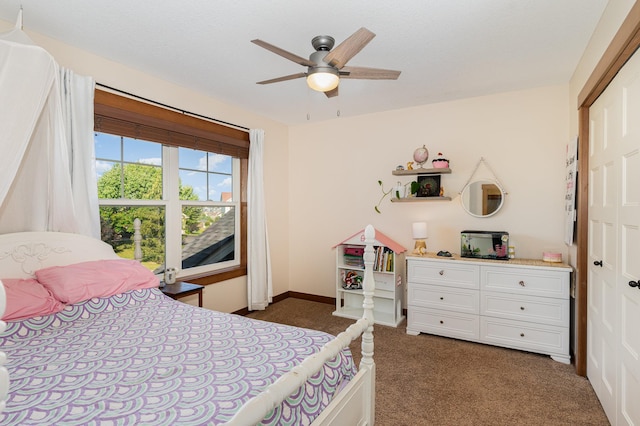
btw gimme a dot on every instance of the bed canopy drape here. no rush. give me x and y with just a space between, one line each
47 181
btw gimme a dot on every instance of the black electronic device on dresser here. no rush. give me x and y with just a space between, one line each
484 244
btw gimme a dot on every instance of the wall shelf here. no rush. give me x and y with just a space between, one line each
419 199
421 171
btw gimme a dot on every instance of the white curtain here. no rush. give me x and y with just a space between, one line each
45 148
77 94
259 281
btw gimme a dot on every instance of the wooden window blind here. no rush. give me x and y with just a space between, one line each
124 116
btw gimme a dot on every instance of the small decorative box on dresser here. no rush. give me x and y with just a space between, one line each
520 303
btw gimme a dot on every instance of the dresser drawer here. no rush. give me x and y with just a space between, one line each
444 323
529 281
542 310
525 335
447 273
447 298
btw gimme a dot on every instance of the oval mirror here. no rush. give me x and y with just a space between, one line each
482 198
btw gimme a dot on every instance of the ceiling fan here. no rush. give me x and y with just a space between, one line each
325 67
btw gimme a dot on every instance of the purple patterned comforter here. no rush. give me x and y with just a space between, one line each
142 358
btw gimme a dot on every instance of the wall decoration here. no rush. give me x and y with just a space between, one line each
421 155
440 162
429 186
571 177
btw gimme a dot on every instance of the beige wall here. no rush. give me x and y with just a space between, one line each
335 167
231 295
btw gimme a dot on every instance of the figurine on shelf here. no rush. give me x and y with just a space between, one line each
410 165
440 162
400 167
351 280
442 191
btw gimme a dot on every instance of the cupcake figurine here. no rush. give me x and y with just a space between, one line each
440 162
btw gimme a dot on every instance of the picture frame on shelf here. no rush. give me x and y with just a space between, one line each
429 186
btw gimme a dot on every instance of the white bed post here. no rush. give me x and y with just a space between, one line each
137 240
4 374
368 288
353 405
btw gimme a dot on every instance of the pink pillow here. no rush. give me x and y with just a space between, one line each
97 278
28 298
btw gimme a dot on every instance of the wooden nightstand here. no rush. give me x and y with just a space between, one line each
182 289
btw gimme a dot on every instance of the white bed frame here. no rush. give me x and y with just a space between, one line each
21 254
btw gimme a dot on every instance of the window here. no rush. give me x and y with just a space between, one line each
182 177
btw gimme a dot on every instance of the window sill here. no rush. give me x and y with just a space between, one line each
217 276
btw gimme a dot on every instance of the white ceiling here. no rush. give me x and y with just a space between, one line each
446 49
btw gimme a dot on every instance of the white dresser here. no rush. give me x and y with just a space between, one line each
519 303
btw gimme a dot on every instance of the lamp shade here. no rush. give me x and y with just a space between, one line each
420 230
323 81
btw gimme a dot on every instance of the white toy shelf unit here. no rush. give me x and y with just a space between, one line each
389 267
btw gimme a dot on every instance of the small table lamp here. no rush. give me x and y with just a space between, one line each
420 234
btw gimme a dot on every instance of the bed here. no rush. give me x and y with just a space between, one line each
90 339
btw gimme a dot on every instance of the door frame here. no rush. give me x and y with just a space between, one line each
624 44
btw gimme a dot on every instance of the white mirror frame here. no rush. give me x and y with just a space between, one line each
468 204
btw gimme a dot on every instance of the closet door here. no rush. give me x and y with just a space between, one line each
613 317
602 318
628 277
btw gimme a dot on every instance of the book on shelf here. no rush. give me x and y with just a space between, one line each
355 263
354 250
384 258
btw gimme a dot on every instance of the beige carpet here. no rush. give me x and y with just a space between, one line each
430 380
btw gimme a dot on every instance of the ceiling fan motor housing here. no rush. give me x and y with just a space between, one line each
323 42
321 65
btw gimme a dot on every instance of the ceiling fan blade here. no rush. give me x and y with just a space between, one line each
283 78
332 93
287 55
369 73
346 50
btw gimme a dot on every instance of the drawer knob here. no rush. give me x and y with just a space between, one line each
522 308
521 283
635 284
441 322
441 272
441 298
521 334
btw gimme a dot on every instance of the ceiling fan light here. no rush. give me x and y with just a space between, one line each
323 81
